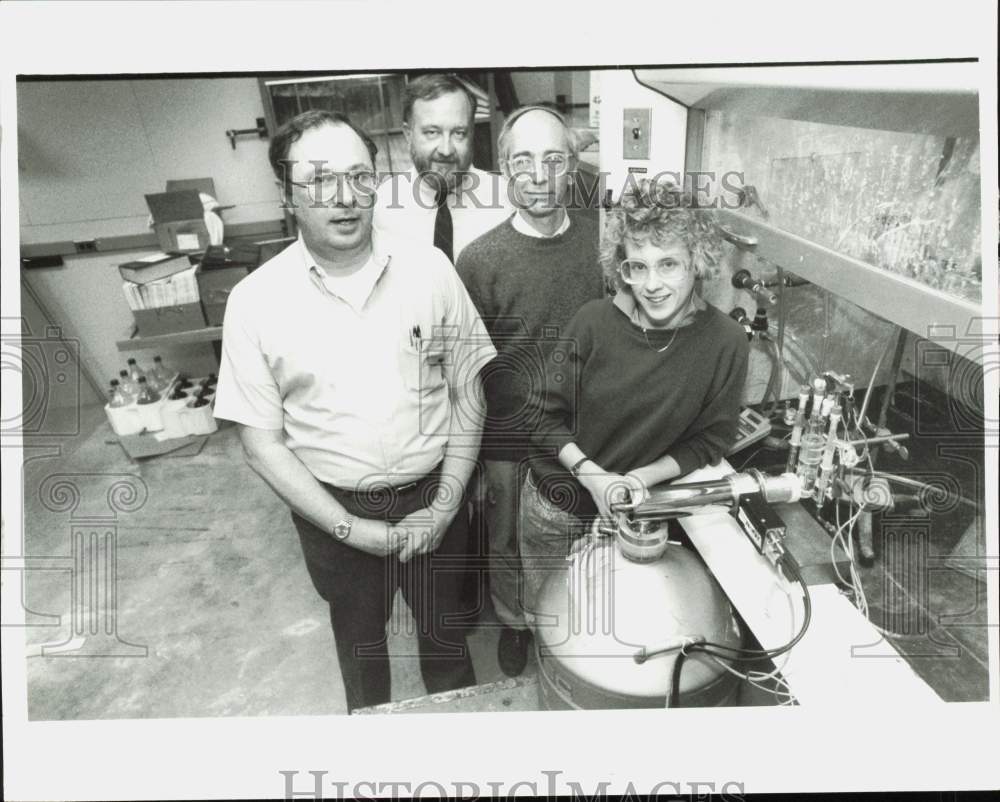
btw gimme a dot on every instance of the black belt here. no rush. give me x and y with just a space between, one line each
397 490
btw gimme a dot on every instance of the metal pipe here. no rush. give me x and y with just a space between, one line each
786 281
825 348
669 500
890 391
675 497
871 383
772 390
903 480
780 339
884 438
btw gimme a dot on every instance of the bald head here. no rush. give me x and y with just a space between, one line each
534 127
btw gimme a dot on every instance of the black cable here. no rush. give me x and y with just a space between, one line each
765 654
743 655
675 680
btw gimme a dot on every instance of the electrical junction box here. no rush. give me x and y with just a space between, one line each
764 528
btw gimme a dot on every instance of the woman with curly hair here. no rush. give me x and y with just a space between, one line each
652 391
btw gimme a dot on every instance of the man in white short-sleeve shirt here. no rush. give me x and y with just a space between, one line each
351 366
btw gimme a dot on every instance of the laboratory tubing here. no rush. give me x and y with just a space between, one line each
796 438
829 448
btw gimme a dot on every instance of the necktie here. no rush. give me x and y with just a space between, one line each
443 231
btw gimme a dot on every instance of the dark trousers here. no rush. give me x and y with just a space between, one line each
360 588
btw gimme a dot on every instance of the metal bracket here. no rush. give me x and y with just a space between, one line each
260 130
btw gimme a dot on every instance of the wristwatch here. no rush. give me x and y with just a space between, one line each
342 529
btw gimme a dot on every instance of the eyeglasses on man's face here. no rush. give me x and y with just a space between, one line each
551 164
636 271
327 184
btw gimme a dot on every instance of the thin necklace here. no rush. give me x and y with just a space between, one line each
651 348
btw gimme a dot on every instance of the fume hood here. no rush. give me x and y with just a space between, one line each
865 177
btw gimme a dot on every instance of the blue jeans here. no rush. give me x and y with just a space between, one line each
545 535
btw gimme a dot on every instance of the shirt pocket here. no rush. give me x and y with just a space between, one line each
422 366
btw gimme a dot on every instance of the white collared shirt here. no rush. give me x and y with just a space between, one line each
356 288
524 227
405 207
360 398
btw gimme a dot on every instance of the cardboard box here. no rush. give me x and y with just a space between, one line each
222 267
179 220
155 267
169 319
233 254
214 287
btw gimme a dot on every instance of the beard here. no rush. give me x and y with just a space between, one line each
432 169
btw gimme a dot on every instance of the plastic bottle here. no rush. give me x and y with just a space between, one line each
146 394
159 376
129 387
117 398
134 371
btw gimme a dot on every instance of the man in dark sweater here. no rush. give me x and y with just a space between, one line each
528 277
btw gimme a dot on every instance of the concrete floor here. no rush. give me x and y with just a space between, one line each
210 580
215 606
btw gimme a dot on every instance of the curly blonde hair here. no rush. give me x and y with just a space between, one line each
659 211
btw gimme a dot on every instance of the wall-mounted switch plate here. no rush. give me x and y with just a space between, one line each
635 133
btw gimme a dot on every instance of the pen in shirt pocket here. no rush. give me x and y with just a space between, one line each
415 339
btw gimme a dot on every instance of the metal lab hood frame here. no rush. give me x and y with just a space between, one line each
923 310
939 99
935 99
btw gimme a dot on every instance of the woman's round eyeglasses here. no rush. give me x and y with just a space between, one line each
636 271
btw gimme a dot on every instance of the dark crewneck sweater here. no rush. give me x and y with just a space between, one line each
526 290
630 405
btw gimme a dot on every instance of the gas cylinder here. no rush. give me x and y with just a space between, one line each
608 627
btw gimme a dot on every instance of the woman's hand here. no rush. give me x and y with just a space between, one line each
638 491
604 488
